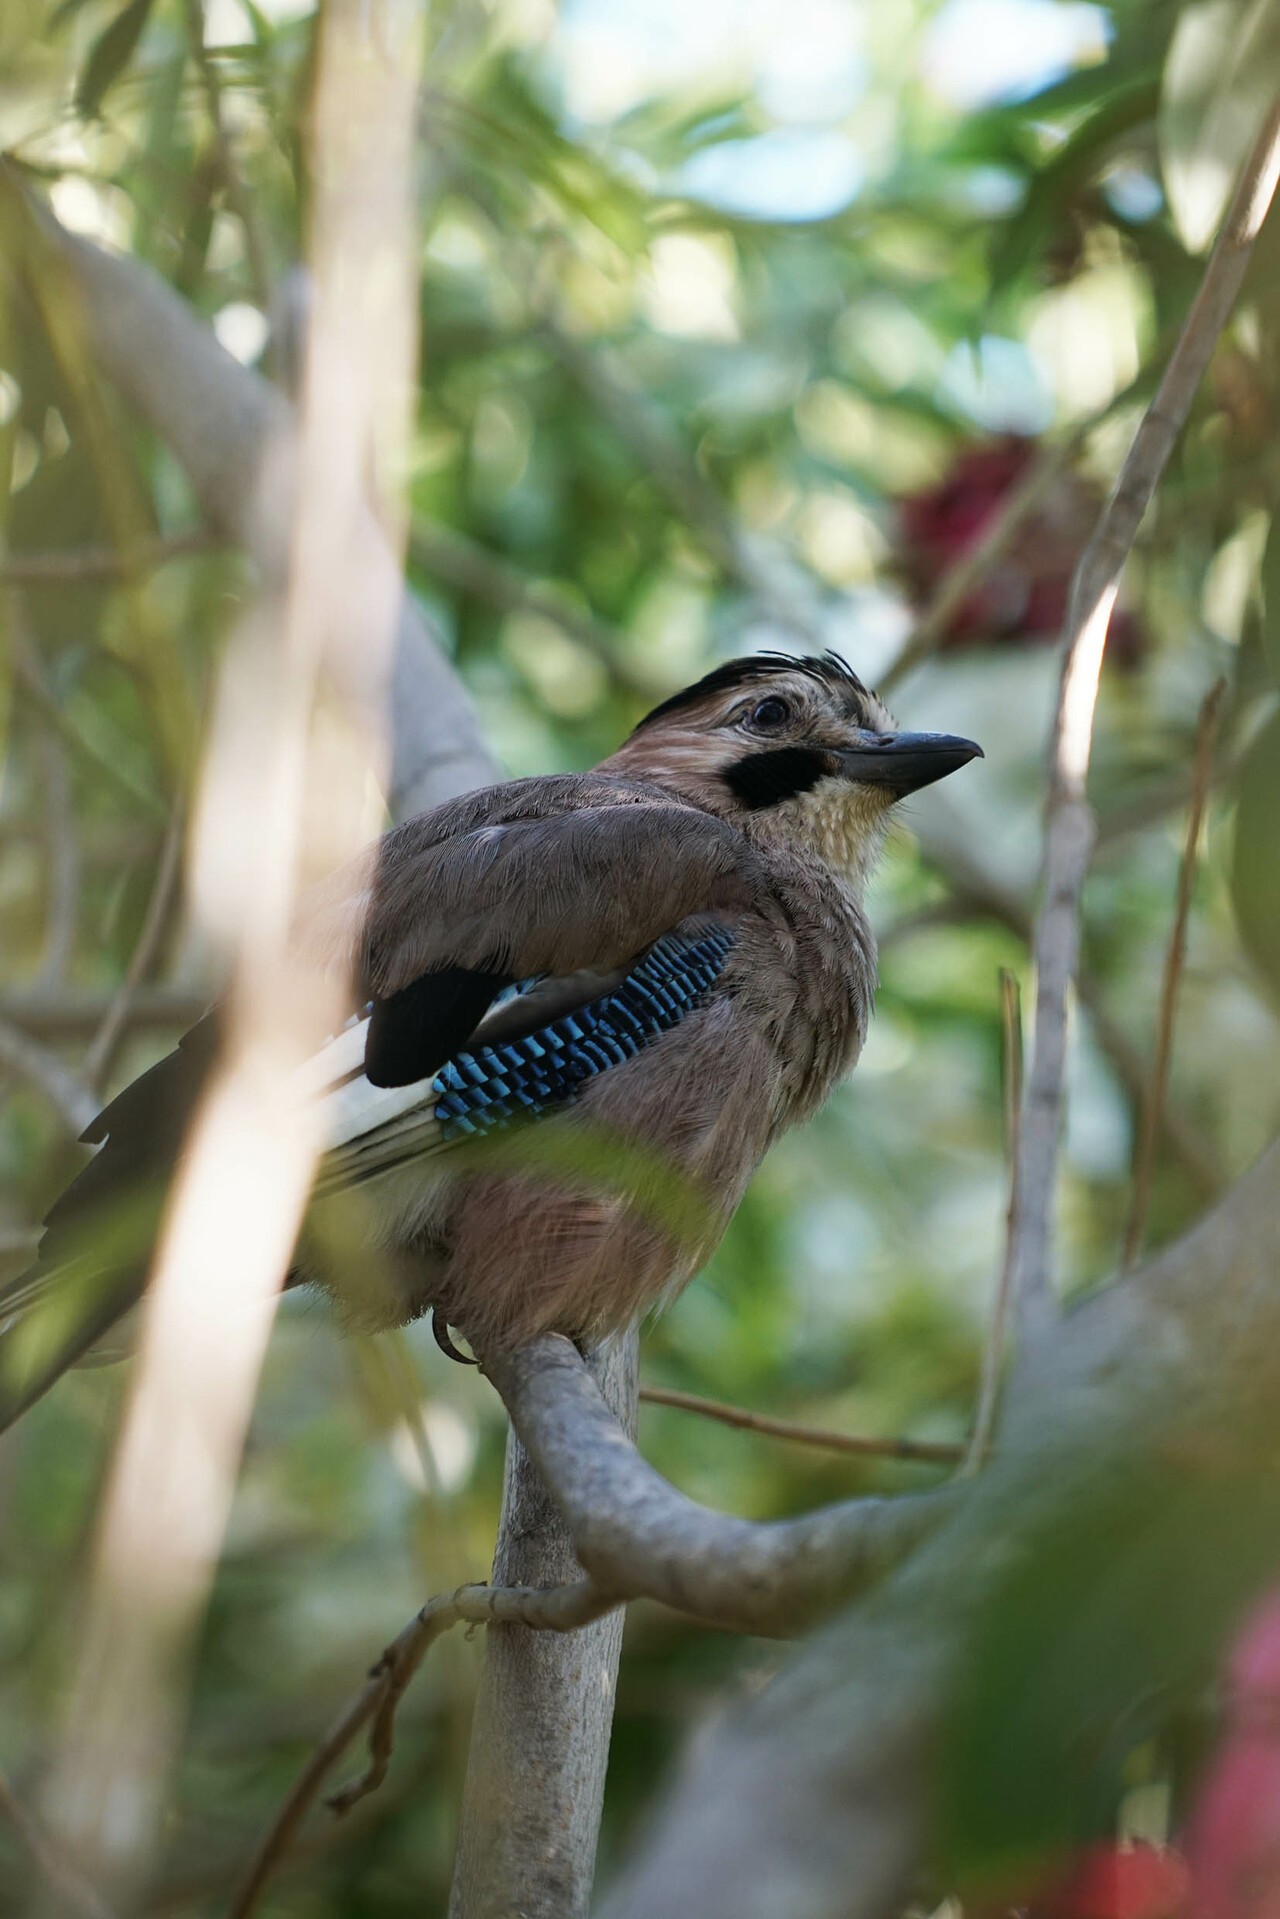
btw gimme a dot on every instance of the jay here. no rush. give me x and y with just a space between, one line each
582 1008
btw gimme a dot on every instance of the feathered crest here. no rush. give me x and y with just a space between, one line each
827 668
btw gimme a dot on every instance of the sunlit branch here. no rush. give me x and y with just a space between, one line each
283 800
1068 821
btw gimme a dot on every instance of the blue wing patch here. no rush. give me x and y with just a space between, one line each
480 1090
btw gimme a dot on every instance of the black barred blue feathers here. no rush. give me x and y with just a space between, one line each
479 1090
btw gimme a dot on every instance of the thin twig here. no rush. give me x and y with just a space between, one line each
970 569
69 1097
44 702
60 1875
1068 821
766 571
934 1452
102 1047
101 565
998 1330
1157 1092
556 1609
58 824
78 1015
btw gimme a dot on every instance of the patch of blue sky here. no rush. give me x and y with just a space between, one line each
977 53
998 385
791 173
801 59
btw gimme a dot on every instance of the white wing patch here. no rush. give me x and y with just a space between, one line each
366 1128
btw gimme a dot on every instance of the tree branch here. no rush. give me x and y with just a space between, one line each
73 1893
636 1535
558 1609
69 1097
1153 1105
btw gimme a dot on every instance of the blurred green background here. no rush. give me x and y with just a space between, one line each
738 322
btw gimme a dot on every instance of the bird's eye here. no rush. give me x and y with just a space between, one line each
770 714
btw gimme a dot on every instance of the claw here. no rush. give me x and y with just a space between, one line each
444 1341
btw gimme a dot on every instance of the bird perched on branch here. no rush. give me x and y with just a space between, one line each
583 1007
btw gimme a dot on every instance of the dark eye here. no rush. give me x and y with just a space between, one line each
770 714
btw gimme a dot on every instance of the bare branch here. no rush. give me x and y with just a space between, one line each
540 1732
931 1452
97 1061
970 569
636 1535
557 1609
1153 1105
764 569
100 565
1069 823
78 1015
997 1331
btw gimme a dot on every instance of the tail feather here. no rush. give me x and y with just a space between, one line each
93 1259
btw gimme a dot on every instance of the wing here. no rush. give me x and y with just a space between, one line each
533 1053
442 928
528 918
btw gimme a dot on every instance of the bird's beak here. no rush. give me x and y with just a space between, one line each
907 761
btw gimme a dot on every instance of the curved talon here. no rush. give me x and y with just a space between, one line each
440 1331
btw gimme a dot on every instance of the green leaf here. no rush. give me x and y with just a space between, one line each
1105 1626
110 54
1255 862
1219 79
67 11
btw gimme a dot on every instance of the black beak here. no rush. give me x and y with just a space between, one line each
904 762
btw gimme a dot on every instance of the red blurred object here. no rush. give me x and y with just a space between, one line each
1023 595
1123 1882
1233 1837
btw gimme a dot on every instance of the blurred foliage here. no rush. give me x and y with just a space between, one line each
714 304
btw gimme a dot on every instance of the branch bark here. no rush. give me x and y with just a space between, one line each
635 1534
540 1738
